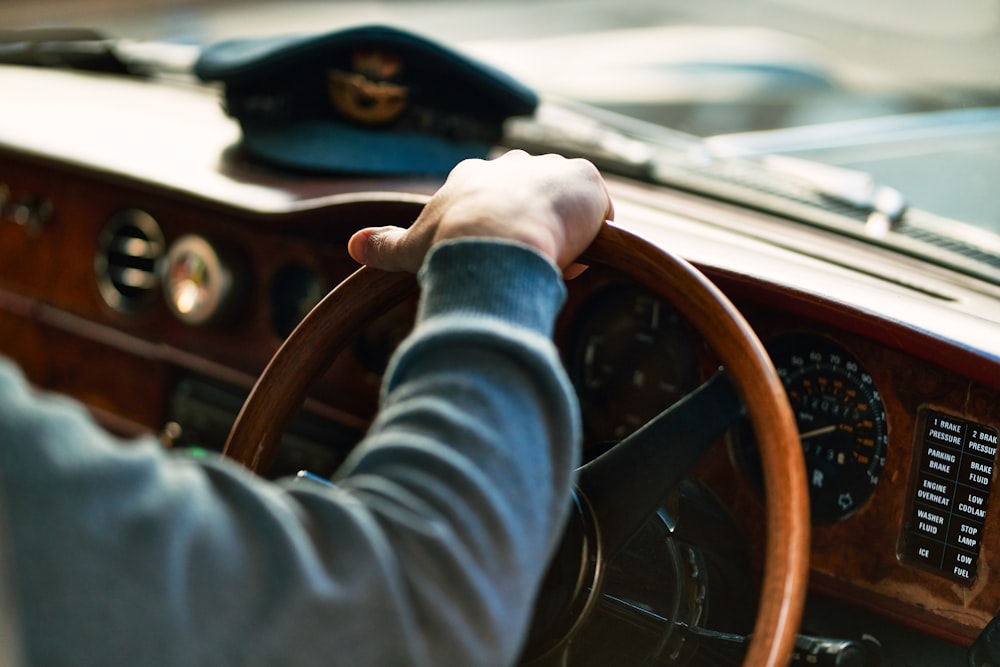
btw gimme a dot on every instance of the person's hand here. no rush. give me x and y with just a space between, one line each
550 203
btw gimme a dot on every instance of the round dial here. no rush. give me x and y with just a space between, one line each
633 359
201 282
841 420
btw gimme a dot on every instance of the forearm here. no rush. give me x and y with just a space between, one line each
427 551
479 423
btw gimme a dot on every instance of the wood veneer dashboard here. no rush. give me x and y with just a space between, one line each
126 363
927 338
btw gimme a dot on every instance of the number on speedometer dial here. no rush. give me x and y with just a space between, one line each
841 421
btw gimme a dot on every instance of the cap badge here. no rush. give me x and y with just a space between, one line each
365 95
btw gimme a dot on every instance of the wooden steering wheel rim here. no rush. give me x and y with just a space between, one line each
337 319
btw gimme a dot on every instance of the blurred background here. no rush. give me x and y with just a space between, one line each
809 78
773 63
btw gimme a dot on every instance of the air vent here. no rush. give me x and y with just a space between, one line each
129 249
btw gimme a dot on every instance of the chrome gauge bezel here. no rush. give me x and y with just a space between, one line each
128 259
199 281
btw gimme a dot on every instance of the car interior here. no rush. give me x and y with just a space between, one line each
790 392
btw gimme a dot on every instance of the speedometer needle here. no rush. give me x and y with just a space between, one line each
823 430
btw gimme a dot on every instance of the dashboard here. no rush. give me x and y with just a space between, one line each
900 443
150 269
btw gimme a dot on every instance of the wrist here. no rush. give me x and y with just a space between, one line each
489 277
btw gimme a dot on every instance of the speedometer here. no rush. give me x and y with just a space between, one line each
841 421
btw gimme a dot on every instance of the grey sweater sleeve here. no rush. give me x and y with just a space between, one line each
426 551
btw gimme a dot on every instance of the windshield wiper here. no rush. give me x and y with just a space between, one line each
883 205
89 50
659 155
65 48
564 129
844 201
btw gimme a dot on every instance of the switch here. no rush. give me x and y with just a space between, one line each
32 214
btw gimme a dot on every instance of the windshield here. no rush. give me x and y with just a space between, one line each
906 92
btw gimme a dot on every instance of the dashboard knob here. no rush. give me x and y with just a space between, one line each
32 213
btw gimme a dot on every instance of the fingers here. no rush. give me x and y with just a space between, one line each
550 203
383 248
574 270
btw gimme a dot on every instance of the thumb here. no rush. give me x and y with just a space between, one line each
381 248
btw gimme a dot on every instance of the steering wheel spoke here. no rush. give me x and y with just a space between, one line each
626 485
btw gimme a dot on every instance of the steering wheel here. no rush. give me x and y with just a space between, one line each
338 318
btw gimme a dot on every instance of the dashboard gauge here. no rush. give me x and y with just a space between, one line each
633 358
296 288
841 421
201 283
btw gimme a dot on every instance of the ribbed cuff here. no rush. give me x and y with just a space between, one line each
504 280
